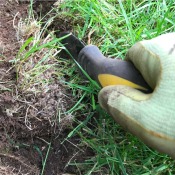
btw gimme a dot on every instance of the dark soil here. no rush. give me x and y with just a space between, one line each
25 133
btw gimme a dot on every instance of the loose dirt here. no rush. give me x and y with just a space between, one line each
28 122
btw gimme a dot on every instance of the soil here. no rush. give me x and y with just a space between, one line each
28 122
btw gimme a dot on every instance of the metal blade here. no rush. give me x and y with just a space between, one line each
72 44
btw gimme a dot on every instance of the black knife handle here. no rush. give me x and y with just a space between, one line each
108 71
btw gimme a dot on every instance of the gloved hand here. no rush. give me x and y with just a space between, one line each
151 117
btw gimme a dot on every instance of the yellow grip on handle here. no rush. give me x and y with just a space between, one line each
108 79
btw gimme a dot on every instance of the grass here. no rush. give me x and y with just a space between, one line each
114 26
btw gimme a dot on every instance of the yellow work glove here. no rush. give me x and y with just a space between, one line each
151 117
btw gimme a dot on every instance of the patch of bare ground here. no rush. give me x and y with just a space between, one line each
33 121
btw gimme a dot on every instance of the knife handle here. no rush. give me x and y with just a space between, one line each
108 71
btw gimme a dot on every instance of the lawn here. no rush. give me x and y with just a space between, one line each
99 145
114 26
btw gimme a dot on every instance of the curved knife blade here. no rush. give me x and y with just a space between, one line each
72 44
